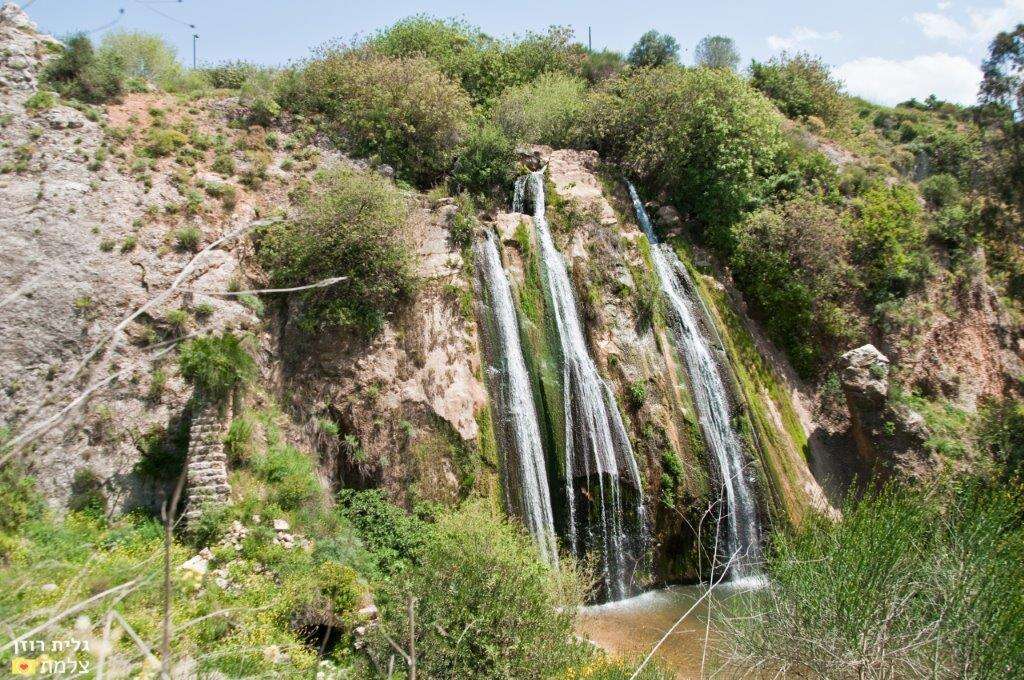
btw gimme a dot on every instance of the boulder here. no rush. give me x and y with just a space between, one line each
531 158
890 437
668 217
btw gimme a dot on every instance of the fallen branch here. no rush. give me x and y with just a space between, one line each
114 335
69 611
265 291
689 611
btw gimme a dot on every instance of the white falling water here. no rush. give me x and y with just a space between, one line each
596 445
711 400
527 485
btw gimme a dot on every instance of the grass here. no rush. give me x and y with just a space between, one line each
911 583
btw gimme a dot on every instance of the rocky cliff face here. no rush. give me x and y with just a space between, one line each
101 287
891 438
409 404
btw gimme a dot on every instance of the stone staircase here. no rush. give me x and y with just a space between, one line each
207 466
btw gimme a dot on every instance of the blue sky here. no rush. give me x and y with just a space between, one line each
885 51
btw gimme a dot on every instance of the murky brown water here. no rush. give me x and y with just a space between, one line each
632 627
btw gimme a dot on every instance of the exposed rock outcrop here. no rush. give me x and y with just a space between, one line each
407 402
891 438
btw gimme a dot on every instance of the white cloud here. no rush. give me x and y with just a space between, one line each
889 81
987 22
940 26
981 26
943 6
800 35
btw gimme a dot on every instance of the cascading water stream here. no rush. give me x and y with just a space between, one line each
597 448
525 474
743 537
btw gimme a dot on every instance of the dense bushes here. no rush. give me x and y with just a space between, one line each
124 62
545 111
679 131
792 262
79 73
402 110
484 66
20 502
142 58
889 241
1001 435
486 605
487 160
801 86
908 584
352 225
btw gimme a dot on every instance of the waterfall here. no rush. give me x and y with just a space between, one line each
712 403
597 449
525 476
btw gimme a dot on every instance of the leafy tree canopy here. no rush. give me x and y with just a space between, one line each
654 49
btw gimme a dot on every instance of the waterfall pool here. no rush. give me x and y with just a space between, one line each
632 627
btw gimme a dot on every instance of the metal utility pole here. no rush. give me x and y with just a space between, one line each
195 37
590 42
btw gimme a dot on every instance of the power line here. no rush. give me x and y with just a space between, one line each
149 6
120 15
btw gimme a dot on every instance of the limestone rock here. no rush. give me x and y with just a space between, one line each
63 118
531 158
668 217
197 565
891 438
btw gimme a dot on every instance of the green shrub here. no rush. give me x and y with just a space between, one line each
177 320
792 263
188 238
600 66
671 477
702 136
258 94
143 57
352 226
230 75
402 110
1001 435
290 474
79 73
908 583
637 394
332 600
482 65
157 385
801 86
238 442
223 164
476 571
163 141
41 100
87 492
20 501
162 451
216 365
391 535
464 222
486 163
544 111
889 241
940 190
